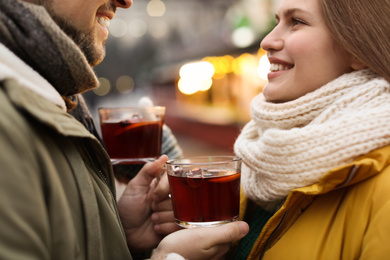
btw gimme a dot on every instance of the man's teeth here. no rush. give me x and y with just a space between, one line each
104 21
277 67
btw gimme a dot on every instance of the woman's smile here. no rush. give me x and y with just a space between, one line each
302 53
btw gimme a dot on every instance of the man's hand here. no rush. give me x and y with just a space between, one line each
202 243
146 209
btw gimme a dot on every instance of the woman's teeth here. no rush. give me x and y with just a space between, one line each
278 67
103 21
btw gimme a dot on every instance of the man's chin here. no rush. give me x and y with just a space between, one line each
96 62
93 52
85 40
97 58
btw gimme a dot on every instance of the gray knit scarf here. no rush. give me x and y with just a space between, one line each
29 31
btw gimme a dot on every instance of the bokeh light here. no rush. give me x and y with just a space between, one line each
125 84
264 67
156 8
243 37
196 76
137 28
118 28
103 88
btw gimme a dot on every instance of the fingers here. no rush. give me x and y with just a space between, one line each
219 239
163 217
150 171
232 232
225 235
162 190
164 222
165 205
166 228
211 242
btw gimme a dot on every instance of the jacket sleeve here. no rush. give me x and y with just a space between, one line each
24 222
169 145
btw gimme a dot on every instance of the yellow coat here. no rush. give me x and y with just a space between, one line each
346 215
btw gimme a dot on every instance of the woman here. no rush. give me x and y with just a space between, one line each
316 177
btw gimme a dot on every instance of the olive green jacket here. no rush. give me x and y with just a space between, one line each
346 215
57 201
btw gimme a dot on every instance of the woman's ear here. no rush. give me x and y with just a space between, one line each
356 64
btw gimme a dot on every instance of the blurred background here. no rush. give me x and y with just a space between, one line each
199 58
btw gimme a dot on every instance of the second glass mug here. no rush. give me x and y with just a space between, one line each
132 136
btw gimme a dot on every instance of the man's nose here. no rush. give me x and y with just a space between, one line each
123 3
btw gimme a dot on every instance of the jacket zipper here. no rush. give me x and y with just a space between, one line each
112 191
273 234
104 179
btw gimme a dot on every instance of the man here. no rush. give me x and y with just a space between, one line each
56 182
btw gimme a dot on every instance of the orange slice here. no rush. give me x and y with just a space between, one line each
228 178
135 125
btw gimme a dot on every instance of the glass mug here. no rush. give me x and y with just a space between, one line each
132 136
205 190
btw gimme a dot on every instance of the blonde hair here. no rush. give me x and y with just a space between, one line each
362 28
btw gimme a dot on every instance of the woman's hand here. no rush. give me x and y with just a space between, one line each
202 243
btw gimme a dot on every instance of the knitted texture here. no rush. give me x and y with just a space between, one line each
29 31
169 145
293 144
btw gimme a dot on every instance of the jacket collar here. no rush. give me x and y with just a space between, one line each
32 93
357 171
11 67
44 111
346 175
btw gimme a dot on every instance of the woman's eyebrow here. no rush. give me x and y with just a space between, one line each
289 12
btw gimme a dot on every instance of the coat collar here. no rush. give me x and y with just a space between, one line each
32 93
11 67
44 111
352 173
346 175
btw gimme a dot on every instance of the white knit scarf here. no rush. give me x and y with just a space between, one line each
293 144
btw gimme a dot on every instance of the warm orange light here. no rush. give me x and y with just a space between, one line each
196 76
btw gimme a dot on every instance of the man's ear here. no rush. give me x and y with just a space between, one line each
356 64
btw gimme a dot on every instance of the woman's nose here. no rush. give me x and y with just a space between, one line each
273 41
123 3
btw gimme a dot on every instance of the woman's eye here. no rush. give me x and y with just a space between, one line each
296 21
